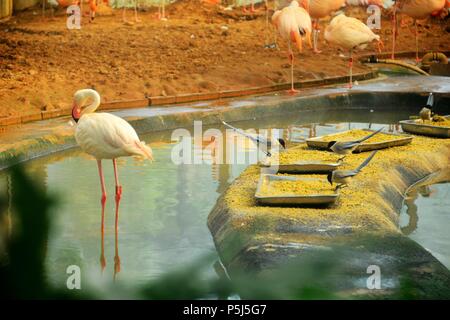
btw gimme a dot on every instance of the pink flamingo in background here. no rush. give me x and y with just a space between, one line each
104 136
252 7
350 33
136 18
418 10
319 9
293 22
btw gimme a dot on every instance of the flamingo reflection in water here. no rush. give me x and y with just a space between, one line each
116 242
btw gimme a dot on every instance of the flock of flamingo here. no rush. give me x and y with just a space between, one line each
294 23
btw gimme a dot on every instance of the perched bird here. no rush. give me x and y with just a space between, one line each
425 113
104 136
418 10
347 147
350 33
293 22
262 143
344 177
319 9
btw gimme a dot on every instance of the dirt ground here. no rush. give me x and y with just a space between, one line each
200 48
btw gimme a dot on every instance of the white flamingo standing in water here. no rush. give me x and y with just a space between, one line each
104 136
350 33
293 22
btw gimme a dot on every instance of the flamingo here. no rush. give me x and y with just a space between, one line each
104 136
293 22
162 10
252 7
124 19
418 10
349 33
319 9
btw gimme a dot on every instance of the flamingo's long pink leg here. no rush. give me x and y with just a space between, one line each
394 31
417 42
316 30
135 12
102 246
291 60
118 186
116 259
116 223
116 242
124 19
102 181
350 64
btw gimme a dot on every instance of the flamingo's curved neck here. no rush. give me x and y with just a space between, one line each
95 97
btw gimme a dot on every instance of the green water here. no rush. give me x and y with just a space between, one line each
426 215
164 207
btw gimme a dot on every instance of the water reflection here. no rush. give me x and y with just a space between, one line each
116 240
164 207
425 216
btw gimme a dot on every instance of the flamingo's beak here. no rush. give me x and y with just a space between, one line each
76 112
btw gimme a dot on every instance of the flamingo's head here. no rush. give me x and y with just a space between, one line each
76 106
81 99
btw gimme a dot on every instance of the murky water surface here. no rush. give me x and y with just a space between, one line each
164 207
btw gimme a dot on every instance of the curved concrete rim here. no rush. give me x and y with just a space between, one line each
55 135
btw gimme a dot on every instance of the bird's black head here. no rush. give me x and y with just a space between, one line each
282 142
329 178
330 144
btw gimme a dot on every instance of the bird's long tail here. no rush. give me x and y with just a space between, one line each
370 135
366 162
146 150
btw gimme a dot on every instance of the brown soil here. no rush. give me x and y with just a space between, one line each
42 63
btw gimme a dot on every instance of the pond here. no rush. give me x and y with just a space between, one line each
164 207
426 215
